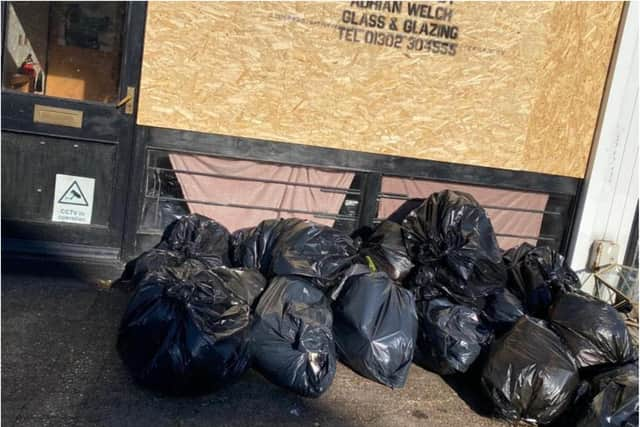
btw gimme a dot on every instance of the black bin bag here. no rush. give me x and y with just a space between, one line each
191 243
252 247
452 240
529 374
537 275
292 341
385 246
375 327
245 284
317 252
159 261
615 399
295 247
450 336
593 330
184 336
196 236
502 310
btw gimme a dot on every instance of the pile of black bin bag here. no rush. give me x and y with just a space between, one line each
428 285
516 322
287 297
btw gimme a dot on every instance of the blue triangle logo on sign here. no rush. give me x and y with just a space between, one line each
73 196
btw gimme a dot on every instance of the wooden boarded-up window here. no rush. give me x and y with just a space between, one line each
513 85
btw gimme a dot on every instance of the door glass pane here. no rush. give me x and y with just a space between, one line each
64 49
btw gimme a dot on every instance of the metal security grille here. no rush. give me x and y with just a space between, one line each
543 225
363 195
543 239
165 200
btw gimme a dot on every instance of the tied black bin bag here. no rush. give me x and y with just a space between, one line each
451 336
451 238
317 252
615 401
502 310
375 326
292 341
184 336
160 260
295 247
385 246
245 284
196 236
191 243
593 330
537 275
252 247
530 375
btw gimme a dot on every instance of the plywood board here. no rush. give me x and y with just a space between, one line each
511 85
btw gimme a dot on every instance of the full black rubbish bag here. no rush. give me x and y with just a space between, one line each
317 252
451 238
594 331
537 275
245 284
295 247
184 336
502 310
375 326
191 243
386 248
196 236
530 375
292 339
615 401
252 247
451 336
160 260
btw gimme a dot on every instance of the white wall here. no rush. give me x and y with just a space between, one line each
610 194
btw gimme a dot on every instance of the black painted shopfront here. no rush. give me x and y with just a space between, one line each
80 180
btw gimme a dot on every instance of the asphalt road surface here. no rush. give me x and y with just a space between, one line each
60 367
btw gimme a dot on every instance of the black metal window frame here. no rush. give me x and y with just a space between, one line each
554 215
152 192
370 168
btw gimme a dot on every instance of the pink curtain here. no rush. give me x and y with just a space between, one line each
504 221
198 188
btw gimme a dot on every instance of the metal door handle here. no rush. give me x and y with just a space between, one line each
127 101
124 101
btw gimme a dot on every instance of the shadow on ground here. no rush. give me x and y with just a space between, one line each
60 367
471 392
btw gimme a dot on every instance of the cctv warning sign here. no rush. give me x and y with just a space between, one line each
73 199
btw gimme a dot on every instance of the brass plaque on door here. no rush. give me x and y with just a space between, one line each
57 116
